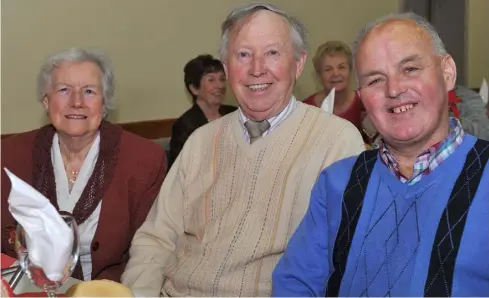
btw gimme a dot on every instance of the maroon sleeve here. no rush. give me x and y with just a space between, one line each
150 191
150 172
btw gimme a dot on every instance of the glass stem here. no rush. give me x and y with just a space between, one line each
51 293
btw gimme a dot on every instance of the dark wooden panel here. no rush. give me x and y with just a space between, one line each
151 129
6 135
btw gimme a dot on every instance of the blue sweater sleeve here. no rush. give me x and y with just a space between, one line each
303 270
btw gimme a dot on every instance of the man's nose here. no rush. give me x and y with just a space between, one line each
258 67
393 87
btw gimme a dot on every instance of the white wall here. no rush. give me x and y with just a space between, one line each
478 42
149 42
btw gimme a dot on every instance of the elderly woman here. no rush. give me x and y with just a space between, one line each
106 177
206 82
333 65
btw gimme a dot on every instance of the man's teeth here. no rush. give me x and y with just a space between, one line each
402 108
258 87
76 117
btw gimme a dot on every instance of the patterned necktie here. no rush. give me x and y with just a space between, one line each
256 129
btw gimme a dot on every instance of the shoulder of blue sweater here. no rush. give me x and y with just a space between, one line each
338 171
332 182
468 142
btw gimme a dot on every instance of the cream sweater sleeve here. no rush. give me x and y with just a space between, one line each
155 241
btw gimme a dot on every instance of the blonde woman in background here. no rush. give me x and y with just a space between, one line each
333 65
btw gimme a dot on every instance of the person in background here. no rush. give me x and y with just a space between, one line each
105 177
242 183
468 107
333 65
205 80
409 219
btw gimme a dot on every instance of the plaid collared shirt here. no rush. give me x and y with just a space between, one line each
427 161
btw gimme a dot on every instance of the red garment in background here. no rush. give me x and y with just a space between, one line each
355 113
452 103
6 261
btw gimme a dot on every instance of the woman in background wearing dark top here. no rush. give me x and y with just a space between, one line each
206 82
333 65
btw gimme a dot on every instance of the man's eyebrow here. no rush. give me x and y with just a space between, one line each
84 86
411 58
408 59
371 73
91 86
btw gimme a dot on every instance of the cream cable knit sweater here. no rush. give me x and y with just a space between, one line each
227 208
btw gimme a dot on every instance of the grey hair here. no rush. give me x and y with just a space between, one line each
438 46
79 55
297 29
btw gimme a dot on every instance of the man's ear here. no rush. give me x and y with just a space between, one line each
225 69
449 70
45 103
300 64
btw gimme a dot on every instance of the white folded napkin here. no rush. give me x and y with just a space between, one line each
49 240
328 102
484 91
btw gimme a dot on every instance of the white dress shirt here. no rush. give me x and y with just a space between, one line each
274 121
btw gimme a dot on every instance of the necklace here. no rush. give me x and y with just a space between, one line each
73 176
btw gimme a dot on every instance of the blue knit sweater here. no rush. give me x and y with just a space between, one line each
391 249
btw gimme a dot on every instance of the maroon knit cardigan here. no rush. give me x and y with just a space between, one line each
127 177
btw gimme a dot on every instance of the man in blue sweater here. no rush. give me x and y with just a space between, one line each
408 219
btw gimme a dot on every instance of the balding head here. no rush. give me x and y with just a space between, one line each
404 76
395 19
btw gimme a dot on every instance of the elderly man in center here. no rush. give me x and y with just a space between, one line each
242 182
409 219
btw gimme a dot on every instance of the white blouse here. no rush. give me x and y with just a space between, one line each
67 200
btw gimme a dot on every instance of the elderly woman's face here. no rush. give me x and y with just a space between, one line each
74 99
334 72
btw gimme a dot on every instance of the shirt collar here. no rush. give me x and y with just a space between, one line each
274 121
292 100
429 159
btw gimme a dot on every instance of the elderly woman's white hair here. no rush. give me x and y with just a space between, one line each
79 55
